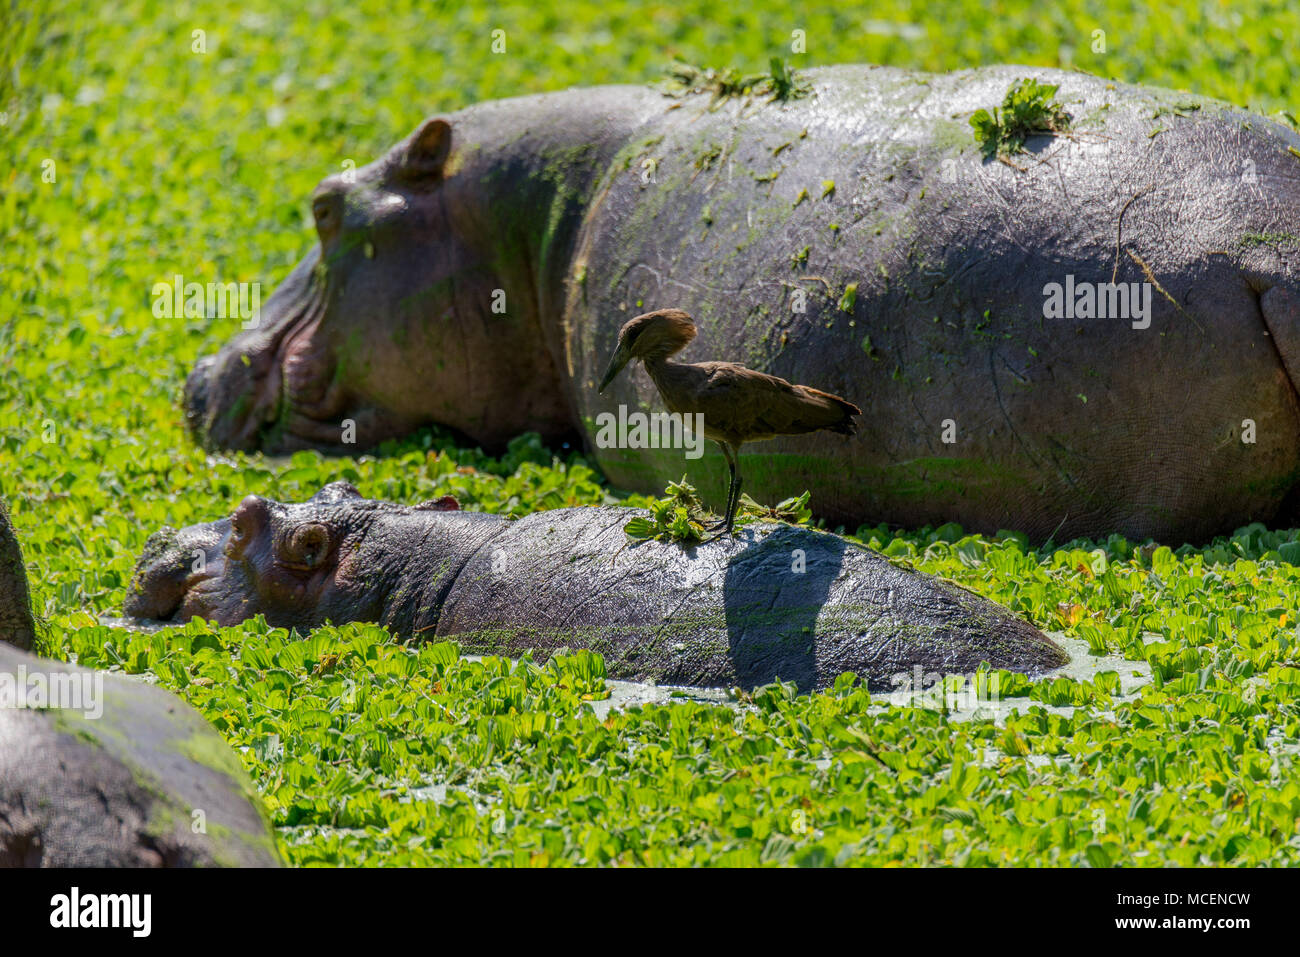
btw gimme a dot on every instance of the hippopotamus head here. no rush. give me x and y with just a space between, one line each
299 565
382 251
419 305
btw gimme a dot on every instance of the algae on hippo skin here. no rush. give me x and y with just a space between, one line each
1273 239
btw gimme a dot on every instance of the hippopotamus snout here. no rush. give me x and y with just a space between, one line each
231 398
293 564
235 399
167 584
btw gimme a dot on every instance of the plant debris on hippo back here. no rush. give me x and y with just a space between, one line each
777 602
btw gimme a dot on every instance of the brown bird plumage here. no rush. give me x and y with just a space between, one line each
739 405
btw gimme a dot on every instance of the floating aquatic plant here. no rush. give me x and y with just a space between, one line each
1028 109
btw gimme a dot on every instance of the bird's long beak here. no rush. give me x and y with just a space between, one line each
616 363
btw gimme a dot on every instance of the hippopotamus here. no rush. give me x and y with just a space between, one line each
16 624
779 602
1100 334
99 770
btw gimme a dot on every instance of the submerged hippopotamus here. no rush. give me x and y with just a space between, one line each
100 770
1101 334
779 602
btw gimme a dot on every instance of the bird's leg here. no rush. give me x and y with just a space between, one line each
733 494
731 485
735 498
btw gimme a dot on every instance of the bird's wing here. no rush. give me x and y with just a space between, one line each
744 402
726 376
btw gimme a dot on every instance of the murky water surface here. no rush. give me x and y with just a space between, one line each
961 706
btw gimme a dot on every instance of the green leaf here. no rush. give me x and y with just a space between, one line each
1097 855
639 528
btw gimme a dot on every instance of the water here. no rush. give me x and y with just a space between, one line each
1082 666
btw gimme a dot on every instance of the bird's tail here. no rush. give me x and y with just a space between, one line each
839 412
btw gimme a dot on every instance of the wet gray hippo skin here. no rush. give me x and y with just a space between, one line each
116 782
586 207
16 625
730 612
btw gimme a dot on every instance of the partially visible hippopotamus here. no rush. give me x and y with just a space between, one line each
855 238
779 602
99 770
16 624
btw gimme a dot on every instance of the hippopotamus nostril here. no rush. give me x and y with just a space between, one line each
248 519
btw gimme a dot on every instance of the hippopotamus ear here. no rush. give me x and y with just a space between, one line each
427 153
447 503
336 492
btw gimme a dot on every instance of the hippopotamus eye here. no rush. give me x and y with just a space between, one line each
327 210
321 210
307 547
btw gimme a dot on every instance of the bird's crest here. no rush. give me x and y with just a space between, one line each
662 332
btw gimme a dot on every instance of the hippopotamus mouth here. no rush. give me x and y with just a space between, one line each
273 387
180 573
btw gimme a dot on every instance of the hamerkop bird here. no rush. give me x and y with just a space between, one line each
739 405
